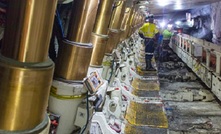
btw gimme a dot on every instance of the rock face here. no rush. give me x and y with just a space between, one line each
202 23
216 20
190 106
207 20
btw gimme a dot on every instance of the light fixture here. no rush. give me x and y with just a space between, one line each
162 2
178 5
142 7
162 24
144 2
169 26
178 22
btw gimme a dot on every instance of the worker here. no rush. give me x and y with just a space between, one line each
159 44
149 33
167 34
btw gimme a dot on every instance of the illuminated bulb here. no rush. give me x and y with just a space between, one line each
142 6
169 26
162 24
178 22
178 5
163 3
146 2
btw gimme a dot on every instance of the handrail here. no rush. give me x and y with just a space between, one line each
205 44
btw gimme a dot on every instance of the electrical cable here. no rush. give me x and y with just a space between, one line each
118 4
60 23
85 126
3 7
112 70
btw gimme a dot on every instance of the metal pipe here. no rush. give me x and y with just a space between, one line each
25 70
28 29
75 53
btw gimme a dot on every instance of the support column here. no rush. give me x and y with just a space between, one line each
183 43
191 48
74 55
99 37
125 23
114 27
180 41
218 58
207 58
25 70
131 23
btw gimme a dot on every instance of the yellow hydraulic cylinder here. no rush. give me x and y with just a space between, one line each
25 70
74 55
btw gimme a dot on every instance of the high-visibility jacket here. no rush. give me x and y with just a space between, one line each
166 34
148 30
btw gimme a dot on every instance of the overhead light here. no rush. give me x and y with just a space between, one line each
162 24
142 7
163 3
178 22
178 5
144 2
170 26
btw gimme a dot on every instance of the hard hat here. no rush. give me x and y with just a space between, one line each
150 16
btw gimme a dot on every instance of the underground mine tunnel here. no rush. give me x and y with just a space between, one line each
110 66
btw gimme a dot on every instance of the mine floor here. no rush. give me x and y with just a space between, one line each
190 106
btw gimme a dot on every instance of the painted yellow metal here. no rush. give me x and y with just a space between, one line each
138 84
133 129
146 114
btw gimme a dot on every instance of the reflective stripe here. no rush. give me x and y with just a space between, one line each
67 97
148 38
149 53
